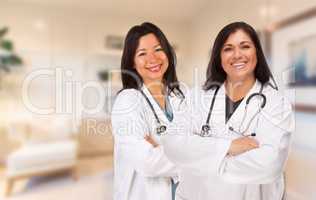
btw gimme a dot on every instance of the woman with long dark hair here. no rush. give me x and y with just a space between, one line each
241 124
146 108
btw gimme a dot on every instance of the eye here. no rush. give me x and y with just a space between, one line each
245 46
159 49
227 49
141 54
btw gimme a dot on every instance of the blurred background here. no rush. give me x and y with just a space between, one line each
59 72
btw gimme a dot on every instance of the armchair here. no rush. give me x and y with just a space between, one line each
48 147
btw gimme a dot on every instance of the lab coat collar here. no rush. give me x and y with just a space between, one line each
160 113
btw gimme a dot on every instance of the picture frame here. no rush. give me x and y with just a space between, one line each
291 49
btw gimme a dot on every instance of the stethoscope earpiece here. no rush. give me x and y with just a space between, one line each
253 134
232 129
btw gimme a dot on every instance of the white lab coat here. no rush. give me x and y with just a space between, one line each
208 173
142 172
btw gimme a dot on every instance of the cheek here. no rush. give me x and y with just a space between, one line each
139 64
254 60
255 63
164 57
165 60
224 61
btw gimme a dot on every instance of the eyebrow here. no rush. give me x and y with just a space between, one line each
246 41
155 46
242 42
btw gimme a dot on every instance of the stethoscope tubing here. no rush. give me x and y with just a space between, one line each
151 107
204 132
161 129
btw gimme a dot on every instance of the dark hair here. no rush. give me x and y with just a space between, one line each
215 72
130 77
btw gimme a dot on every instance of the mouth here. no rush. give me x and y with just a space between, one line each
239 65
154 68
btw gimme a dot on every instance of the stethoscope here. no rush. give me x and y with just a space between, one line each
161 129
205 130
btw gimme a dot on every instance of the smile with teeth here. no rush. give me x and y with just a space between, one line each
239 65
154 68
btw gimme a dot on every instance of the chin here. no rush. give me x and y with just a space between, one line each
157 75
156 78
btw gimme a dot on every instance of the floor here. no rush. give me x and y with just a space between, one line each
300 173
87 167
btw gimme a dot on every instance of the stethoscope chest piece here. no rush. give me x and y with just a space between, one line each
161 130
205 130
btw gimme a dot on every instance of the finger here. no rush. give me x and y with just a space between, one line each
148 139
252 141
255 143
252 144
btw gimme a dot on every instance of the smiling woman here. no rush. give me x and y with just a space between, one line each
239 58
237 152
151 62
148 106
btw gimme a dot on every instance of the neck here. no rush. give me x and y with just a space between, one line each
155 88
238 89
157 91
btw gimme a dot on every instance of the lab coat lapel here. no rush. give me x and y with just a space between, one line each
160 113
177 103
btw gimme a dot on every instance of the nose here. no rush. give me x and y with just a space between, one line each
237 53
151 57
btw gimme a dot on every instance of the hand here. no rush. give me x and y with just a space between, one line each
241 145
151 140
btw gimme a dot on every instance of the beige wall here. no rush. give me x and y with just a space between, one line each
49 37
217 14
